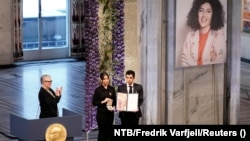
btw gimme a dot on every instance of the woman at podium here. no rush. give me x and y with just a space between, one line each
48 98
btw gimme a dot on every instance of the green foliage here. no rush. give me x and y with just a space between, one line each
105 33
108 5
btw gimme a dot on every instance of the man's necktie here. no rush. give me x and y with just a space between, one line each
130 89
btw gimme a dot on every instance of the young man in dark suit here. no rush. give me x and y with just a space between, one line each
131 118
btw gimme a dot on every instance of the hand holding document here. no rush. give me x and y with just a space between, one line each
127 102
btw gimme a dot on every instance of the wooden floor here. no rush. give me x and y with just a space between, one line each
19 86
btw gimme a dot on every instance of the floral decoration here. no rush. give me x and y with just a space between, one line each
92 61
118 44
104 41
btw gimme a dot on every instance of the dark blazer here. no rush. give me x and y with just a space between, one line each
137 88
100 94
48 103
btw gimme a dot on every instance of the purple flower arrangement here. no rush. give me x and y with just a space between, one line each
92 61
118 44
93 58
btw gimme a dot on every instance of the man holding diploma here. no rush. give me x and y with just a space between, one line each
131 117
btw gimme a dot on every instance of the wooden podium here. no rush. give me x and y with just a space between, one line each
35 129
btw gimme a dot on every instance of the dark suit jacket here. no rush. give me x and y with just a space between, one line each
48 103
137 88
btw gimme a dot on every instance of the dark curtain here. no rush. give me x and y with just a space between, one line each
17 18
77 28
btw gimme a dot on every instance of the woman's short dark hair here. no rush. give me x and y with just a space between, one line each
217 21
104 74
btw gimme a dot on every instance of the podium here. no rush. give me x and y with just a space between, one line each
35 129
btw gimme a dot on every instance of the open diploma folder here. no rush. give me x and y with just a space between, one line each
127 102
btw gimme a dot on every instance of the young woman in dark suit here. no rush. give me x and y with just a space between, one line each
104 98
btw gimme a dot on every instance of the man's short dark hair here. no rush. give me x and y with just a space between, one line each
130 72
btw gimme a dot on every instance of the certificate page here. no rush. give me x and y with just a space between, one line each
127 102
132 102
121 102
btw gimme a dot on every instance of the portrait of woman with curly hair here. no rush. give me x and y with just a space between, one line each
205 43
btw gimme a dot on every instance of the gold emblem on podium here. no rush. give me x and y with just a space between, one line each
56 132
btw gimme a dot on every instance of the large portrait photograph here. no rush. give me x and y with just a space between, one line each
200 32
246 16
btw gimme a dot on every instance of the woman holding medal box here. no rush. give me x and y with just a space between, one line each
105 99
